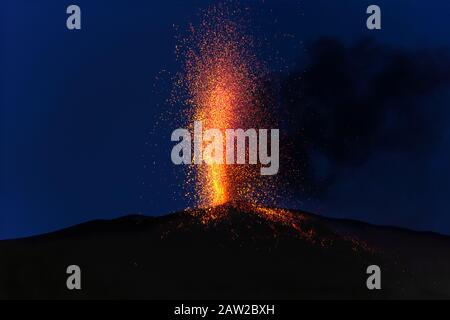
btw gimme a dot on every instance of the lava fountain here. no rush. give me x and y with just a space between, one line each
222 81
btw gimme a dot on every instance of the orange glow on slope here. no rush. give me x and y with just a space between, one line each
288 219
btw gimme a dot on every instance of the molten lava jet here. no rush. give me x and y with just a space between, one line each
221 79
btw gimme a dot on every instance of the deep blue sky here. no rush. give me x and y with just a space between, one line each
79 110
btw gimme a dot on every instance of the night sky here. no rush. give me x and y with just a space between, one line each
82 135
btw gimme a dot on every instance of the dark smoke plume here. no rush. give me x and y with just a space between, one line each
349 102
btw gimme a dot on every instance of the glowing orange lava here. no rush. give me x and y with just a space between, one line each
221 79
215 109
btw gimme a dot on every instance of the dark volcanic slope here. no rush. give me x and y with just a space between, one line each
247 252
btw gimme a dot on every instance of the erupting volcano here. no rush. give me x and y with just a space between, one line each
234 242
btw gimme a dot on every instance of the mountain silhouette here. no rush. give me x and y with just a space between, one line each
234 251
